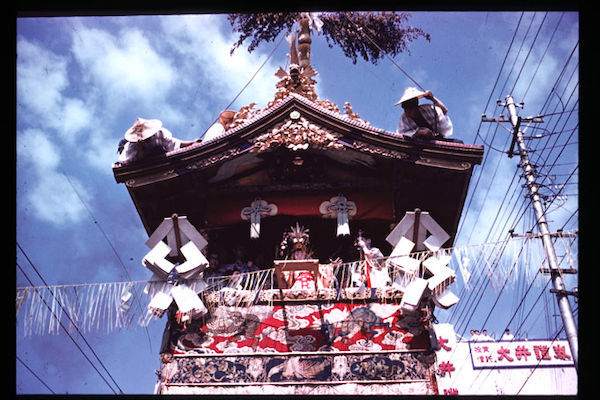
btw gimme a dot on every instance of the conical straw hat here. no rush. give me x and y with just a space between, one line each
142 129
410 93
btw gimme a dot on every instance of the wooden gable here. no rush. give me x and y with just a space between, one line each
296 151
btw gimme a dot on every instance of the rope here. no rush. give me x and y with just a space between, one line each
246 85
359 28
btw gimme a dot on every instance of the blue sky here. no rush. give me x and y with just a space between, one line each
82 82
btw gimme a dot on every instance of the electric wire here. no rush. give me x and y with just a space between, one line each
136 295
517 54
504 61
360 29
539 362
530 49
474 299
73 339
492 180
35 375
508 325
462 293
516 333
66 312
543 56
543 294
489 234
482 325
473 188
247 84
518 215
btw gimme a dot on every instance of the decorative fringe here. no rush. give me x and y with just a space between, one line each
115 306
105 306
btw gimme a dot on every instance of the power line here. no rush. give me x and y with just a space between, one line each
70 319
67 331
517 332
489 314
530 49
35 375
473 189
136 296
543 56
517 56
491 183
247 84
542 223
539 362
504 62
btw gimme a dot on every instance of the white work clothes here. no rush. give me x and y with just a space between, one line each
159 143
214 131
408 127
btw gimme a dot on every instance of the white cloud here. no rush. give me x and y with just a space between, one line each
75 118
124 67
100 150
35 147
50 195
41 78
199 39
54 200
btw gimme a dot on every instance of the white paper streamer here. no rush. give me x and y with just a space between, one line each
114 306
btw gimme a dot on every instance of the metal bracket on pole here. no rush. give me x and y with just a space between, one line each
560 271
564 292
514 138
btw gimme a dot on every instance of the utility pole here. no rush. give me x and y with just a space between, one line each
530 181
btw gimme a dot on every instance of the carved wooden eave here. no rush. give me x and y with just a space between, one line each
318 126
431 175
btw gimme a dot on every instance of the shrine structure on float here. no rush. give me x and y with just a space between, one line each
301 250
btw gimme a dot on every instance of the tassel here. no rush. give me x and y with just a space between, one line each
343 227
340 208
258 208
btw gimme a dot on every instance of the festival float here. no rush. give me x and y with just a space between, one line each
301 250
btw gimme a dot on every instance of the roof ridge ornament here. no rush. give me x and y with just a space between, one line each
299 77
297 133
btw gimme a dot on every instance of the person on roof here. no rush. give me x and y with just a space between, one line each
147 138
426 121
219 127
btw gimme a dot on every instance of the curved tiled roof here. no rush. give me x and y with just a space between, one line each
332 114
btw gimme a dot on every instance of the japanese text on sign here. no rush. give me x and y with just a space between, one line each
506 354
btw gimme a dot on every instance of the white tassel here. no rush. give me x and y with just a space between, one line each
343 226
339 207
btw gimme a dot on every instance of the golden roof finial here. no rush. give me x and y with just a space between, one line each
304 42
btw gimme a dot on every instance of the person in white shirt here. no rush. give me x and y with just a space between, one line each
474 335
147 138
507 335
484 337
378 272
426 121
219 127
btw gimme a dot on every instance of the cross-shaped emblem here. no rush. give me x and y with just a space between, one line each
259 208
339 207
